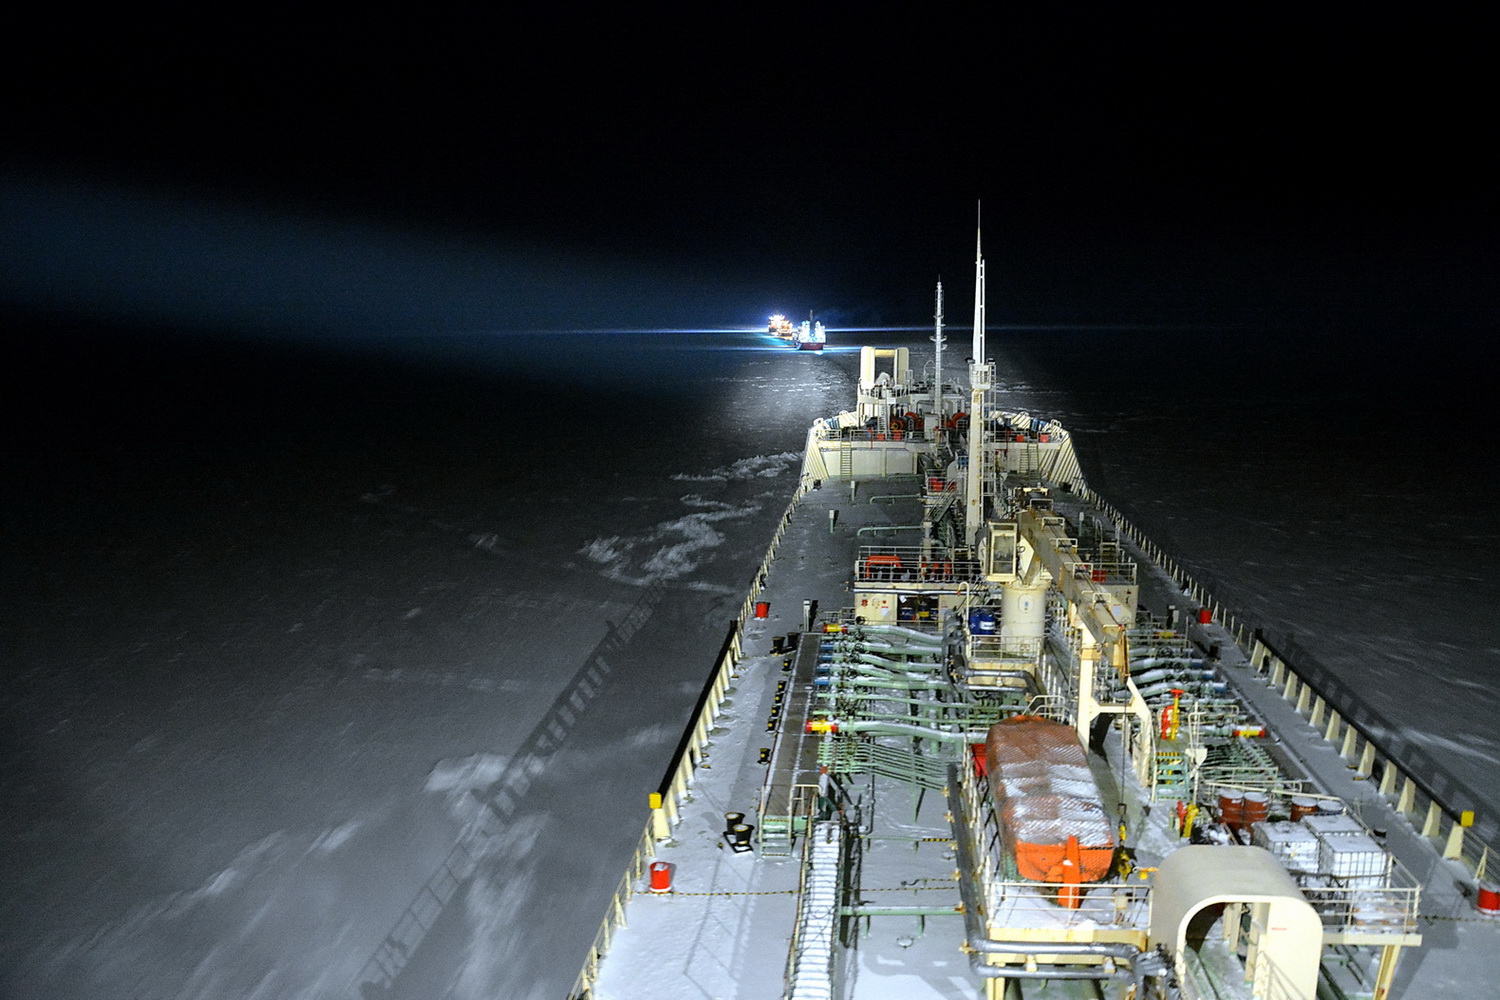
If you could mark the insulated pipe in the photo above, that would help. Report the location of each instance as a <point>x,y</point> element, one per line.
<point>908,729</point>
<point>855,656</point>
<point>908,637</point>
<point>864,646</point>
<point>881,671</point>
<point>890,648</point>
<point>1169,649</point>
<point>986,971</point>
<point>850,657</point>
<point>921,666</point>
<point>825,685</point>
<point>832,719</point>
<point>1155,655</point>
<point>898,683</point>
<point>868,679</point>
<point>1165,661</point>
<point>863,685</point>
<point>1245,729</point>
<point>911,633</point>
<point>864,696</point>
<point>889,651</point>
<point>1152,676</point>
<point>873,667</point>
<point>1153,690</point>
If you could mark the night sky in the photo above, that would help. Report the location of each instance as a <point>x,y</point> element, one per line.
<point>176,191</point>
<point>692,169</point>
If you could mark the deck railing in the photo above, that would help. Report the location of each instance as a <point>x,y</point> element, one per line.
<point>666,800</point>
<point>1438,804</point>
<point>1385,909</point>
<point>909,564</point>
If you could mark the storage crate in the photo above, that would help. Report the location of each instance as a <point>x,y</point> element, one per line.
<point>1292,843</point>
<point>1354,861</point>
<point>1338,825</point>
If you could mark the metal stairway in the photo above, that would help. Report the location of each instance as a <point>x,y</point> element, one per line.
<point>1171,774</point>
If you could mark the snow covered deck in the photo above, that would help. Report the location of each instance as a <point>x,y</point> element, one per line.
<point>727,928</point>
<point>1459,946</point>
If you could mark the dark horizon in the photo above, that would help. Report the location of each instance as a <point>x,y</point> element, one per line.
<point>1131,169</point>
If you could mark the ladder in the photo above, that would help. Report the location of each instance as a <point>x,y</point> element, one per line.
<point>1171,774</point>
<point>778,830</point>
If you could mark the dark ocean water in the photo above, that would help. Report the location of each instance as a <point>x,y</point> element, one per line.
<point>270,611</point>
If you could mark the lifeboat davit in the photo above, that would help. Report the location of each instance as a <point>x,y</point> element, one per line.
<point>1048,802</point>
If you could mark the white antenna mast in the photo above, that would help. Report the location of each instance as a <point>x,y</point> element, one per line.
<point>978,297</point>
<point>979,385</point>
<point>938,339</point>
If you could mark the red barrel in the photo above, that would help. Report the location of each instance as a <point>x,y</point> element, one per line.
<point>762,608</point>
<point>661,876</point>
<point>1205,616</point>
<point>1303,806</point>
<point>1256,808</point>
<point>1231,808</point>
<point>1488,898</point>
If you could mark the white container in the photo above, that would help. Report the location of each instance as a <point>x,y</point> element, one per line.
<point>1292,843</point>
<point>1336,825</point>
<point>1348,858</point>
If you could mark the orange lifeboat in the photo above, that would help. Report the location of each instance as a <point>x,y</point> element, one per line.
<point>1049,803</point>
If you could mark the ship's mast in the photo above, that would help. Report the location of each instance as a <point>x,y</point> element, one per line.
<point>978,299</point>
<point>979,385</point>
<point>938,339</point>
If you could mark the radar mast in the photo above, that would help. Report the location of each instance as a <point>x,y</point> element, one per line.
<point>937,371</point>
<point>979,385</point>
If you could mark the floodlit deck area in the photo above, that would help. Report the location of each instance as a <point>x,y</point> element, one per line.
<point>729,927</point>
<point>726,929</point>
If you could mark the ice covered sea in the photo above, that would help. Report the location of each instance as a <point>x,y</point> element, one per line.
<point>274,620</point>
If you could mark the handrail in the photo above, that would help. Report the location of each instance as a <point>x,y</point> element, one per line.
<point>726,650</point>
<point>663,802</point>
<point>1472,830</point>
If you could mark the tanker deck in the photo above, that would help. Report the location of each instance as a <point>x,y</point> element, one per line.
<point>827,828</point>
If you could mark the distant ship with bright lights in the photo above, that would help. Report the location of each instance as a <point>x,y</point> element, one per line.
<point>809,335</point>
<point>973,734</point>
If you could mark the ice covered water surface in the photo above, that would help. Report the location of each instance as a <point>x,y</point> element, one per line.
<point>265,641</point>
